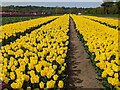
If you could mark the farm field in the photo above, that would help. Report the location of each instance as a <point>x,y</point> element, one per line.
<point>16,30</point>
<point>108,22</point>
<point>60,52</point>
<point>7,20</point>
<point>114,16</point>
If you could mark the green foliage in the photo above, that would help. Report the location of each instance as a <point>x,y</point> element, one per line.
<point>7,20</point>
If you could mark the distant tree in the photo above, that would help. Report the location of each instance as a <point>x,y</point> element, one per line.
<point>118,5</point>
<point>107,4</point>
<point>106,8</point>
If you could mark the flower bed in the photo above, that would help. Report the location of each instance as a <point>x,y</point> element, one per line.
<point>10,32</point>
<point>101,44</point>
<point>37,60</point>
<point>106,21</point>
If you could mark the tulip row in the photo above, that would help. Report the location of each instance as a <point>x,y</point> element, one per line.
<point>101,43</point>
<point>107,21</point>
<point>37,60</point>
<point>9,30</point>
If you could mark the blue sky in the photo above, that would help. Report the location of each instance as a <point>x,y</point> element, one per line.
<point>93,3</point>
<point>56,0</point>
<point>51,0</point>
<point>54,4</point>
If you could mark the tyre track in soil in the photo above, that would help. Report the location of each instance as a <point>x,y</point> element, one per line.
<point>81,72</point>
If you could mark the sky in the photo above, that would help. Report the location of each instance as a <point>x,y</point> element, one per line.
<point>51,0</point>
<point>54,4</point>
<point>93,3</point>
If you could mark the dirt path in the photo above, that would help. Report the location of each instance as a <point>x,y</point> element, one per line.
<point>82,73</point>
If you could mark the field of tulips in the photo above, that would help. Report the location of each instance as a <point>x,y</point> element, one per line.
<point>106,21</point>
<point>39,59</point>
<point>101,43</point>
<point>14,30</point>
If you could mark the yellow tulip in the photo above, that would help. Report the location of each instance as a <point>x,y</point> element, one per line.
<point>41,84</point>
<point>60,84</point>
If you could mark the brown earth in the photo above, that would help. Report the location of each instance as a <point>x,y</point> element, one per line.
<point>81,72</point>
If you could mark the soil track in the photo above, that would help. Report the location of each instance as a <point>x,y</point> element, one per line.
<point>81,73</point>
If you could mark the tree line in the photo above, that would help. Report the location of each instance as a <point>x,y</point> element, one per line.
<point>105,8</point>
